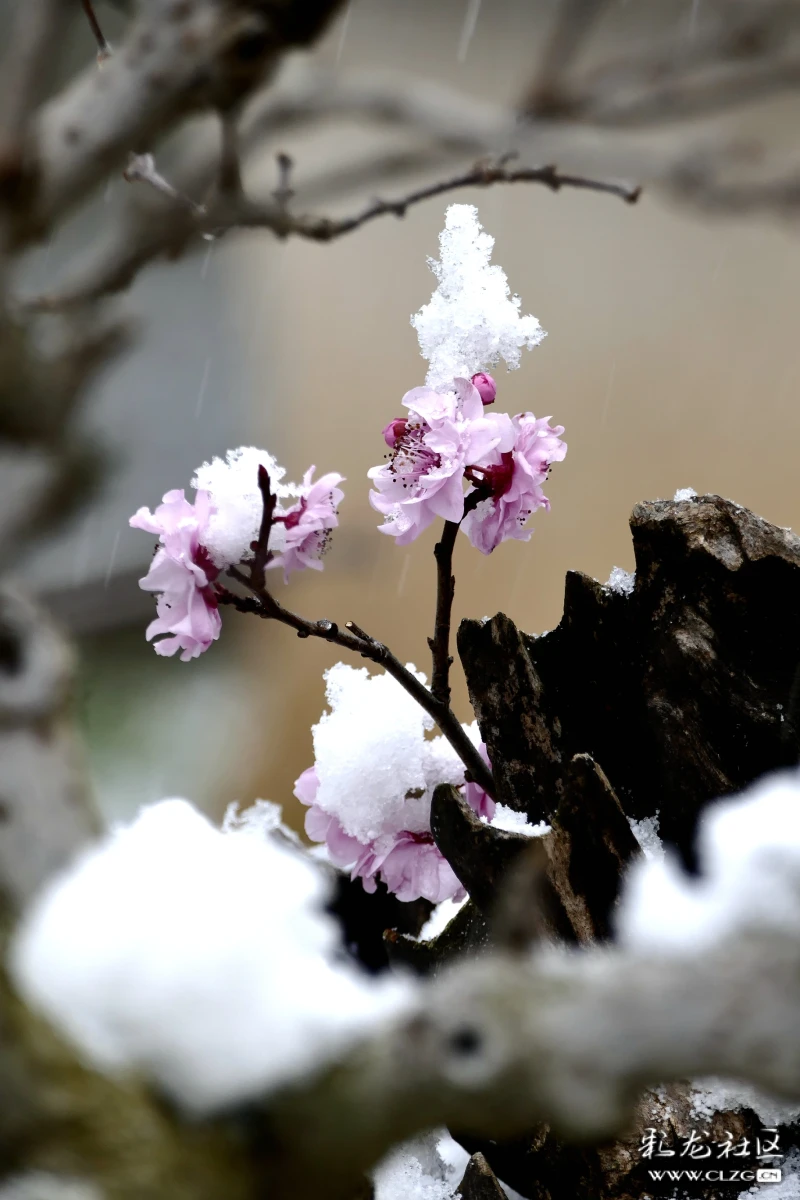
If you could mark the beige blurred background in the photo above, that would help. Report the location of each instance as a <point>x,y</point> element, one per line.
<point>672,359</point>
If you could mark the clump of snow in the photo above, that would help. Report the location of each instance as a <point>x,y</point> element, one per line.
<point>749,855</point>
<point>201,959</point>
<point>471,321</point>
<point>232,483</point>
<point>620,581</point>
<point>712,1095</point>
<point>440,918</point>
<point>511,821</point>
<point>646,833</point>
<point>376,769</point>
<point>426,1168</point>
<point>789,1186</point>
<point>414,1171</point>
<point>684,494</point>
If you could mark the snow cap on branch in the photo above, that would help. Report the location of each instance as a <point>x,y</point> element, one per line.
<point>471,320</point>
<point>202,959</point>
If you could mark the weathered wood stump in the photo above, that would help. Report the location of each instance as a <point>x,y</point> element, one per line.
<point>645,703</point>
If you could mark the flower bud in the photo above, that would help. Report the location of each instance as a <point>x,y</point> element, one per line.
<point>486,386</point>
<point>394,431</point>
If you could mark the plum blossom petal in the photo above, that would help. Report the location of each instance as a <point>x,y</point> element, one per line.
<point>182,574</point>
<point>308,523</point>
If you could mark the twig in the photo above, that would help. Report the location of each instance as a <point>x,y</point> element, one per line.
<point>113,267</point>
<point>325,229</point>
<point>445,590</point>
<point>141,168</point>
<point>103,46</point>
<point>261,547</point>
<point>356,640</point>
<point>352,637</point>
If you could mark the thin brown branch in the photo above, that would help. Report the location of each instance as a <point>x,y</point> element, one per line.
<point>103,46</point>
<point>263,604</point>
<point>172,229</point>
<point>357,641</point>
<point>445,590</point>
<point>223,216</point>
<point>261,546</point>
<point>326,229</point>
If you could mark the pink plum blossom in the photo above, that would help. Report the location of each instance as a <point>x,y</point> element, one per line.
<point>411,865</point>
<point>445,433</point>
<point>182,574</point>
<point>308,523</point>
<point>511,479</point>
<point>408,861</point>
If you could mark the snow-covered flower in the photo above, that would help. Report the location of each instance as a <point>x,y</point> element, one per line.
<point>512,482</point>
<point>204,960</point>
<point>198,541</point>
<point>472,320</point>
<point>308,523</point>
<point>369,792</point>
<point>182,574</point>
<point>445,433</point>
<point>470,323</point>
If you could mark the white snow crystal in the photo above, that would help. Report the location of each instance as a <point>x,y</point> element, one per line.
<point>749,854</point>
<point>620,581</point>
<point>684,494</point>
<point>511,821</point>
<point>712,1095</point>
<point>233,485</point>
<point>201,959</point>
<point>471,321</point>
<point>646,834</point>
<point>376,769</point>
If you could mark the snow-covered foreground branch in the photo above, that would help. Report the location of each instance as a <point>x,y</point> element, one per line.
<point>570,1039</point>
<point>203,961</point>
